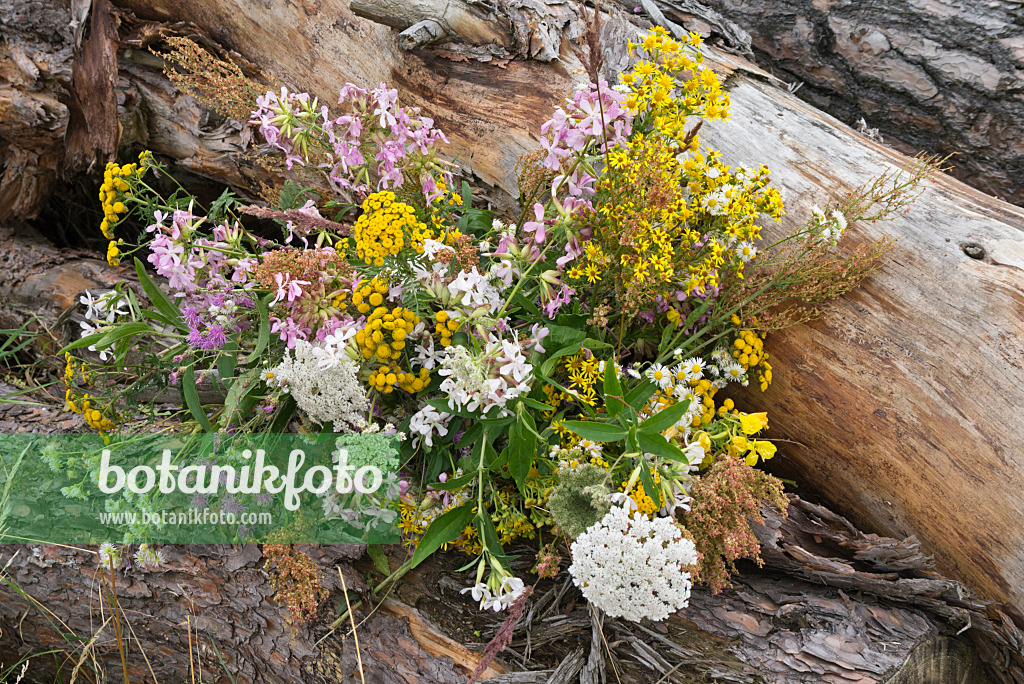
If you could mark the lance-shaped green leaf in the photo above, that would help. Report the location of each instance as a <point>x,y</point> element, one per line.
<point>188,389</point>
<point>446,528</point>
<point>158,297</point>
<point>613,399</point>
<point>522,447</point>
<point>659,446</point>
<point>594,431</point>
<point>638,396</point>
<point>665,418</point>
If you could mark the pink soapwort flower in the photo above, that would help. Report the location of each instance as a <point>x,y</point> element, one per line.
<point>287,288</point>
<point>572,252</point>
<point>553,160</point>
<point>538,224</point>
<point>538,333</point>
<point>385,100</point>
<point>158,221</point>
<point>289,330</point>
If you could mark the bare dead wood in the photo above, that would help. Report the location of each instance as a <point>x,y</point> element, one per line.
<point>92,123</point>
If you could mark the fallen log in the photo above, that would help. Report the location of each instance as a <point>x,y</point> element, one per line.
<point>832,604</point>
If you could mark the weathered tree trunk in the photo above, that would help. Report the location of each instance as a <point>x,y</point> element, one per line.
<point>939,76</point>
<point>849,607</point>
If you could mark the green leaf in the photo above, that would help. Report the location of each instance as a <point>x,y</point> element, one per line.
<point>240,387</point>
<point>638,396</point>
<point>227,360</point>
<point>612,390</point>
<point>531,308</point>
<point>284,415</point>
<point>454,482</point>
<point>549,365</point>
<point>665,418</point>
<point>522,447</point>
<point>594,431</point>
<point>380,561</point>
<point>87,341</point>
<point>649,487</point>
<point>489,537</point>
<point>697,312</point>
<point>470,436</point>
<point>534,404</point>
<point>158,297</point>
<point>188,389</point>
<point>666,336</point>
<point>122,330</point>
<point>446,528</point>
<point>659,446</point>
<point>263,337</point>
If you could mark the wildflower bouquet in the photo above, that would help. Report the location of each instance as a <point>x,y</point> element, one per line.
<point>553,376</point>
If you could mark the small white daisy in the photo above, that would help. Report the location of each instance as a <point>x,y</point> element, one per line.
<point>746,251</point>
<point>659,375</point>
<point>694,368</point>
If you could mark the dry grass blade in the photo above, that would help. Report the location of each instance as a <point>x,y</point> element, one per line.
<point>355,634</point>
<point>87,651</point>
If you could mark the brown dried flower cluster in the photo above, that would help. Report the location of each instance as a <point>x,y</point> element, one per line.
<point>215,83</point>
<point>296,580</point>
<point>307,265</point>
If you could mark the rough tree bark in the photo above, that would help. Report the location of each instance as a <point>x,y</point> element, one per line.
<point>935,75</point>
<point>847,607</point>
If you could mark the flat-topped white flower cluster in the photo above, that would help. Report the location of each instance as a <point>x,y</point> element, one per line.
<point>633,567</point>
<point>333,394</point>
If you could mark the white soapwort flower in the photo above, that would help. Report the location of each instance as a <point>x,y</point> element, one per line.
<point>426,423</point>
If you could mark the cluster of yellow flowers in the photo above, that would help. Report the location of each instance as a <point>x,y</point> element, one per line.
<point>93,417</point>
<point>748,350</point>
<point>584,374</point>
<point>385,228</point>
<point>733,432</point>
<point>383,336</point>
<point>510,521</point>
<point>112,193</point>
<point>644,503</point>
<point>385,378</point>
<point>591,265</point>
<point>369,295</point>
<point>672,84</point>
<point>446,327</point>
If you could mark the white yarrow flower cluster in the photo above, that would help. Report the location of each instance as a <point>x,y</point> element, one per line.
<point>333,394</point>
<point>633,567</point>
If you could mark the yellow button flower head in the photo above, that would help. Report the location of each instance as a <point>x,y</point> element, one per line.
<point>385,228</point>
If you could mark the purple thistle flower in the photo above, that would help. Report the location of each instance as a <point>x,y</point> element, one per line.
<point>231,506</point>
<point>191,316</point>
<point>211,339</point>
